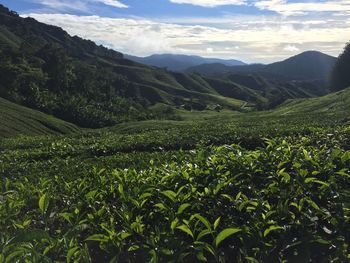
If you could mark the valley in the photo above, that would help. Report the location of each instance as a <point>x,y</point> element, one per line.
<point>106,157</point>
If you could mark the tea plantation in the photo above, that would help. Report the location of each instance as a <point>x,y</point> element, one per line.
<point>232,188</point>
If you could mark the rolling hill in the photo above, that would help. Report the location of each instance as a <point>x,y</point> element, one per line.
<point>89,85</point>
<point>16,119</point>
<point>73,79</point>
<point>180,63</point>
<point>309,65</point>
<point>335,102</point>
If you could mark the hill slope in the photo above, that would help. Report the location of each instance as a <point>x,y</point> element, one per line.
<point>335,102</point>
<point>180,63</point>
<point>89,85</point>
<point>16,119</point>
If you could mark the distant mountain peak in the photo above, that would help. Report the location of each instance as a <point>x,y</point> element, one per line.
<point>308,65</point>
<point>309,54</point>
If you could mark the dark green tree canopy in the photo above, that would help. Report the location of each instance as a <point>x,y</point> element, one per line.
<point>341,71</point>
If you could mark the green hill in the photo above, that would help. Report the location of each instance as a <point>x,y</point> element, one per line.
<point>73,79</point>
<point>334,102</point>
<point>16,120</point>
<point>91,86</point>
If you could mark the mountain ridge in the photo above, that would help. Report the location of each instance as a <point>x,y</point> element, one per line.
<point>180,63</point>
<point>308,65</point>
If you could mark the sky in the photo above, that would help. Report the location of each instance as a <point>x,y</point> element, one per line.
<point>249,30</point>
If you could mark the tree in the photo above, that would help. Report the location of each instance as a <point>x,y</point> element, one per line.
<point>340,78</point>
<point>58,66</point>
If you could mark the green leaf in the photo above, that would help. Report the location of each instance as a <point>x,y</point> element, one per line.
<point>286,176</point>
<point>309,179</point>
<point>121,190</point>
<point>322,241</point>
<point>314,180</point>
<point>313,204</point>
<point>170,194</point>
<point>167,252</point>
<point>124,235</point>
<point>70,253</point>
<point>174,223</point>
<point>203,220</point>
<point>343,173</point>
<point>185,229</point>
<point>183,207</point>
<point>98,237</point>
<point>217,222</point>
<point>67,216</point>
<point>271,228</point>
<point>160,206</point>
<point>209,248</point>
<point>133,248</point>
<point>251,260</point>
<point>225,234</point>
<point>44,203</point>
<point>201,257</point>
<point>345,157</point>
<point>306,155</point>
<point>203,233</point>
<point>91,194</point>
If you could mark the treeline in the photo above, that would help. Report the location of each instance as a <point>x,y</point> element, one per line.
<point>49,80</point>
<point>341,71</point>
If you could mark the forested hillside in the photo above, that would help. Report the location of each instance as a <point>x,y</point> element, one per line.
<point>73,79</point>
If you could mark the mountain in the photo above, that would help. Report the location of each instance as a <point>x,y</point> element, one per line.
<point>180,63</point>
<point>309,65</point>
<point>16,119</point>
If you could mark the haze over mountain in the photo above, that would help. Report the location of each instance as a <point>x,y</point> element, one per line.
<point>181,63</point>
<point>309,65</point>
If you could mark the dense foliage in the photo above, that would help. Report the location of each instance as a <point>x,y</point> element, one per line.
<point>134,193</point>
<point>48,79</point>
<point>341,71</point>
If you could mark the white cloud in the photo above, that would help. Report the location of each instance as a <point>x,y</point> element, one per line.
<point>78,5</point>
<point>285,7</point>
<point>291,48</point>
<point>114,3</point>
<point>260,39</point>
<point>210,3</point>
